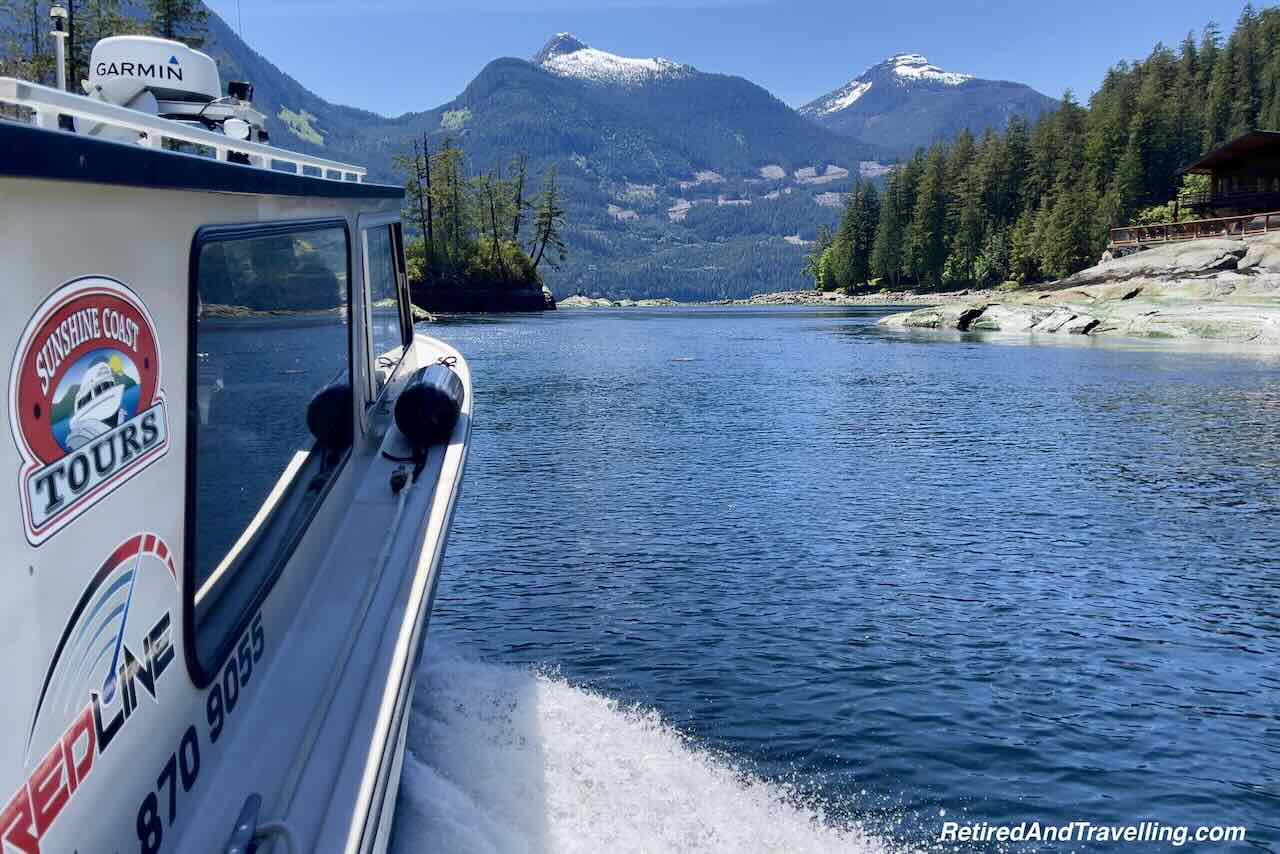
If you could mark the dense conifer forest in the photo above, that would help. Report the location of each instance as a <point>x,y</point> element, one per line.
<point>1035,202</point>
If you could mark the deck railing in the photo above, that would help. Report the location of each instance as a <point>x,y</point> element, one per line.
<point>47,104</point>
<point>1242,225</point>
<point>1257,199</point>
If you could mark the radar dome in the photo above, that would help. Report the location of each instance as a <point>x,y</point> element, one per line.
<point>122,68</point>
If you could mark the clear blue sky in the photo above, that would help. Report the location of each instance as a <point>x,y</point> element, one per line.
<point>393,56</point>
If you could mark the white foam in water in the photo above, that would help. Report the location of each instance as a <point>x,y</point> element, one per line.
<point>502,759</point>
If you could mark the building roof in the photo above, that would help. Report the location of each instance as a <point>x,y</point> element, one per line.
<point>1255,143</point>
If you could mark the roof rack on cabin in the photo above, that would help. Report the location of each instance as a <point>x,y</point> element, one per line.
<point>45,106</point>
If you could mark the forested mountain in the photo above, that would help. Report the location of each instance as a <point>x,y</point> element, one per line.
<point>1036,202</point>
<point>903,103</point>
<point>677,182</point>
<point>683,183</point>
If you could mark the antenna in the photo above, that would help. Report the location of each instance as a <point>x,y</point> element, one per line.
<point>58,15</point>
<point>239,21</point>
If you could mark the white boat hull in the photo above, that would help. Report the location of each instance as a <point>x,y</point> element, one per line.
<point>308,710</point>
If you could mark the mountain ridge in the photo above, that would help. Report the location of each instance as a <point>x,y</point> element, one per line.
<point>679,182</point>
<point>904,102</point>
<point>566,56</point>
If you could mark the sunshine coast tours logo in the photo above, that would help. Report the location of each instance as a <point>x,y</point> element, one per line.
<point>85,403</point>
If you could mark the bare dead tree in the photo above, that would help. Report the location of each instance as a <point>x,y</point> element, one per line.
<point>426,171</point>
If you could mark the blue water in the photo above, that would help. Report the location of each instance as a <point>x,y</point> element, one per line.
<point>891,578</point>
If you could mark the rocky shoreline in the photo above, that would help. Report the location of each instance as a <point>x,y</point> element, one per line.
<point>1219,290</point>
<point>580,301</point>
<point>796,298</point>
<point>1216,290</point>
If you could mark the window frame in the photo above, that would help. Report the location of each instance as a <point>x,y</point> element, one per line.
<point>226,647</point>
<point>365,224</point>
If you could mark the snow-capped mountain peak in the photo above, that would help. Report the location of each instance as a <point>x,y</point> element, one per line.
<point>903,69</point>
<point>913,66</point>
<point>566,56</point>
<point>561,44</point>
<point>843,98</point>
<point>905,102</point>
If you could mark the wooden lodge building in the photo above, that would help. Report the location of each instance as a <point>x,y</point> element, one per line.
<point>1243,196</point>
<point>1244,177</point>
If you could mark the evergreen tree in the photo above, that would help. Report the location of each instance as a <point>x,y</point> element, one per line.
<point>1245,95</point>
<point>449,204</point>
<point>967,234</point>
<point>815,261</point>
<point>1188,104</point>
<point>1024,264</point>
<point>838,262</point>
<point>959,158</point>
<point>417,204</point>
<point>847,261</point>
<point>1270,83</point>
<point>90,21</point>
<point>183,20</point>
<point>867,233</point>
<point>1217,119</point>
<point>25,51</point>
<point>886,252</point>
<point>1013,159</point>
<point>926,246</point>
<point>548,224</point>
<point>1066,244</point>
<point>520,173</point>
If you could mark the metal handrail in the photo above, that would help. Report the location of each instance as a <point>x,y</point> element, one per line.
<point>1241,225</point>
<point>48,104</point>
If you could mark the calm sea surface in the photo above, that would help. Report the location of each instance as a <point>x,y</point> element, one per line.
<point>894,579</point>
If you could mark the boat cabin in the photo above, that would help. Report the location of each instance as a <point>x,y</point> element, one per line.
<point>234,461</point>
<point>1244,177</point>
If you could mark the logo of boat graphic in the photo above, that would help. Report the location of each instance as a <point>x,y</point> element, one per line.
<point>98,406</point>
<point>85,403</point>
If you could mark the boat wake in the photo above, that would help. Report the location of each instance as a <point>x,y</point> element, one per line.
<point>504,759</point>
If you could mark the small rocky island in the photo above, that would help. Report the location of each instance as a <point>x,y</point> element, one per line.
<point>1211,289</point>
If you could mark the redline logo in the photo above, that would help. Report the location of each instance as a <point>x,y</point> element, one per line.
<point>102,683</point>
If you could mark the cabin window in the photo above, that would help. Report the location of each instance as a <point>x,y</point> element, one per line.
<point>270,329</point>
<point>388,320</point>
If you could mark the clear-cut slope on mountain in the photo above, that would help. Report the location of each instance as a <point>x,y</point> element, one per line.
<point>905,102</point>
